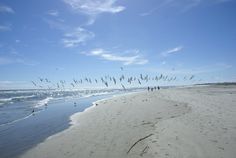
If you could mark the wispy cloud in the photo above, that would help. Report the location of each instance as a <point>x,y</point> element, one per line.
<point>14,57</point>
<point>6,9</point>
<point>92,8</point>
<point>5,61</point>
<point>180,5</point>
<point>6,84</point>
<point>18,60</point>
<point>26,62</point>
<point>191,4</point>
<point>149,12</point>
<point>161,4</point>
<point>57,24</point>
<point>125,59</point>
<point>222,1</point>
<point>4,28</point>
<point>72,36</point>
<point>76,37</point>
<point>53,13</point>
<point>172,51</point>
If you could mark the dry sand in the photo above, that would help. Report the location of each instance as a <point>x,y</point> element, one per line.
<point>197,122</point>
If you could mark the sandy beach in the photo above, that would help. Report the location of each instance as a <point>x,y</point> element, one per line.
<point>194,122</point>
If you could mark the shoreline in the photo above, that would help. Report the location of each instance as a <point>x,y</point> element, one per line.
<point>172,122</point>
<point>74,117</point>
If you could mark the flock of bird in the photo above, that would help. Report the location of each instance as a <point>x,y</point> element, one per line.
<point>107,81</point>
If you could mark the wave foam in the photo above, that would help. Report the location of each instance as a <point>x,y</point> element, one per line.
<point>43,102</point>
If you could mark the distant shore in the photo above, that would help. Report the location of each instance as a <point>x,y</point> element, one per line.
<point>177,122</point>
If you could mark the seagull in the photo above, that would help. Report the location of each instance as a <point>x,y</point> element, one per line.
<point>191,77</point>
<point>58,86</point>
<point>102,80</point>
<point>123,86</point>
<point>47,80</point>
<point>34,83</point>
<point>139,82</point>
<point>106,84</point>
<point>41,79</point>
<point>141,76</point>
<point>114,80</point>
<point>75,81</point>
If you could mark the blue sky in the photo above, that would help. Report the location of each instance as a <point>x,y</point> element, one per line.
<point>66,39</point>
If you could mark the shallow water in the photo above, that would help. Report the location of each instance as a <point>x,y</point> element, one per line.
<point>19,136</point>
<point>16,105</point>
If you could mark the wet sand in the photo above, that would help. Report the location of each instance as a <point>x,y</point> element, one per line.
<point>197,122</point>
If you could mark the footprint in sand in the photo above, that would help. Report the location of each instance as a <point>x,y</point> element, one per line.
<point>158,118</point>
<point>221,148</point>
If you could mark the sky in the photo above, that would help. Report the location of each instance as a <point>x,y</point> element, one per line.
<point>71,39</point>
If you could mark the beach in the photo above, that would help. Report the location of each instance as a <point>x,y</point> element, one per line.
<point>196,122</point>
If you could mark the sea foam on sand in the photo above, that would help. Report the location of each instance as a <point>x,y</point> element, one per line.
<point>198,122</point>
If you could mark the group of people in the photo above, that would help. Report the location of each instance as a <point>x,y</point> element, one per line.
<point>153,88</point>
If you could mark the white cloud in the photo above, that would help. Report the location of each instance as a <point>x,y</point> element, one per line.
<point>172,51</point>
<point>53,12</point>
<point>4,28</point>
<point>77,37</point>
<point>92,8</point>
<point>6,9</point>
<point>126,60</point>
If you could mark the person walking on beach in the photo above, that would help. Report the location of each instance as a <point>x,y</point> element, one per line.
<point>148,88</point>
